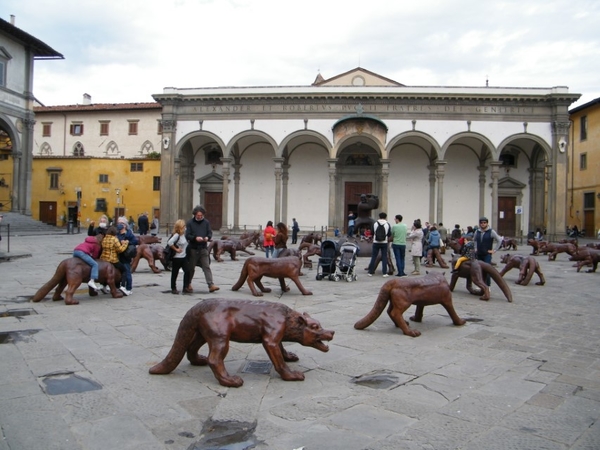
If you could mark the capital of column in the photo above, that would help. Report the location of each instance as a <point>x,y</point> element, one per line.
<point>168,126</point>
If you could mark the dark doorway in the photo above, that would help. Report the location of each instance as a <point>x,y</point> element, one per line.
<point>48,213</point>
<point>352,193</point>
<point>213,203</point>
<point>507,217</point>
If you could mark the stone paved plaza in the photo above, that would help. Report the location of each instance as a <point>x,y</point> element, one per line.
<point>521,375</point>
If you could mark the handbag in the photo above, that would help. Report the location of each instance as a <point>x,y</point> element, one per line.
<point>153,226</point>
<point>129,252</point>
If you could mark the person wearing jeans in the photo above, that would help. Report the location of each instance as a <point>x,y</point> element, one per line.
<point>399,231</point>
<point>88,251</point>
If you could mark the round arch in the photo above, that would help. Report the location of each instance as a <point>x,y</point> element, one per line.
<point>356,137</point>
<point>531,137</point>
<point>470,136</point>
<point>412,136</point>
<point>200,134</point>
<point>303,134</point>
<point>250,134</point>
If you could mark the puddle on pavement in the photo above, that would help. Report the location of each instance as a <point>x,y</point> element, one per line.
<point>12,337</point>
<point>258,367</point>
<point>226,435</point>
<point>377,380</point>
<point>18,312</point>
<point>68,384</point>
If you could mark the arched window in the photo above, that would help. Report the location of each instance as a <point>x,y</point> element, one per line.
<point>112,149</point>
<point>45,149</point>
<point>78,149</point>
<point>147,147</point>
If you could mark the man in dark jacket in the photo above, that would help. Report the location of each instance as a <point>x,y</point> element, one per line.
<point>484,244</point>
<point>198,233</point>
<point>143,224</point>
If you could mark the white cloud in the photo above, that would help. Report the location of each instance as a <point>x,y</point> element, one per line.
<point>120,51</point>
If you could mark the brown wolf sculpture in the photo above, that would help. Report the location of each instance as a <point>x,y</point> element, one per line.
<point>257,267</point>
<point>71,272</point>
<point>151,253</point>
<point>402,293</point>
<point>473,272</point>
<point>527,266</point>
<point>216,322</point>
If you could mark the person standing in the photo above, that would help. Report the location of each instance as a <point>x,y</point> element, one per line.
<point>268,241</point>
<point>124,234</point>
<point>154,226</point>
<point>102,226</point>
<point>351,219</point>
<point>382,230</point>
<point>484,244</point>
<point>178,244</point>
<point>456,233</point>
<point>295,229</point>
<point>280,239</point>
<point>416,245</point>
<point>399,231</point>
<point>143,223</point>
<point>443,233</point>
<point>198,233</point>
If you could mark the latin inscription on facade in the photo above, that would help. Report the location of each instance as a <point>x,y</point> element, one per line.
<point>368,109</point>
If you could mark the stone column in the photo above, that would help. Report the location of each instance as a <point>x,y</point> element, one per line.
<point>558,176</point>
<point>284,193</point>
<point>432,176</point>
<point>441,172</point>
<point>495,176</point>
<point>225,211</point>
<point>482,179</point>
<point>278,174</point>
<point>236,195</point>
<point>170,205</point>
<point>385,176</point>
<point>332,193</point>
<point>18,182</point>
<point>26,165</point>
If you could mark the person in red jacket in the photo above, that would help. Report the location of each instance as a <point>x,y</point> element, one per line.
<point>269,240</point>
<point>88,251</point>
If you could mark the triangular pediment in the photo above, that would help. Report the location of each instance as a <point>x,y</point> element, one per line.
<point>510,183</point>
<point>211,178</point>
<point>356,77</point>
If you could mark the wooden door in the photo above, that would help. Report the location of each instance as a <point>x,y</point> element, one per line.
<point>352,193</point>
<point>507,217</point>
<point>213,203</point>
<point>48,213</point>
<point>588,223</point>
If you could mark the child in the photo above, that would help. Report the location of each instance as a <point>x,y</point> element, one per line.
<point>467,252</point>
<point>88,251</point>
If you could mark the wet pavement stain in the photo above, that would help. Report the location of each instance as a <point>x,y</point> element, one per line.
<point>226,435</point>
<point>12,337</point>
<point>18,312</point>
<point>258,367</point>
<point>68,384</point>
<point>377,380</point>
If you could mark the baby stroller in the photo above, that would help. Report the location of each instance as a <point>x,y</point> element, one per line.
<point>345,268</point>
<point>329,254</point>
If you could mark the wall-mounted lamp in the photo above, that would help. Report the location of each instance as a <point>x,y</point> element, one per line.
<point>562,145</point>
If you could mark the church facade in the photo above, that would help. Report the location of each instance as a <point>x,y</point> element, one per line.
<point>441,154</point>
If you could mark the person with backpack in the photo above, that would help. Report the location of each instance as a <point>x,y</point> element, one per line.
<point>178,244</point>
<point>382,230</point>
<point>484,244</point>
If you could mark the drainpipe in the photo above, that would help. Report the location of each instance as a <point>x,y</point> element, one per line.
<point>572,166</point>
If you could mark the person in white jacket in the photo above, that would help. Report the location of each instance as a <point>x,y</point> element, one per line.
<point>415,237</point>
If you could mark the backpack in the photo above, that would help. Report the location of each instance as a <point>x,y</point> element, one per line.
<point>169,252</point>
<point>380,232</point>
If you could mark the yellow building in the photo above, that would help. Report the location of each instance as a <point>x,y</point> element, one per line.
<point>584,179</point>
<point>83,188</point>
<point>92,159</point>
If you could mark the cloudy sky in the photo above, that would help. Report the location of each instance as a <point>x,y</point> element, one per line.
<point>127,50</point>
